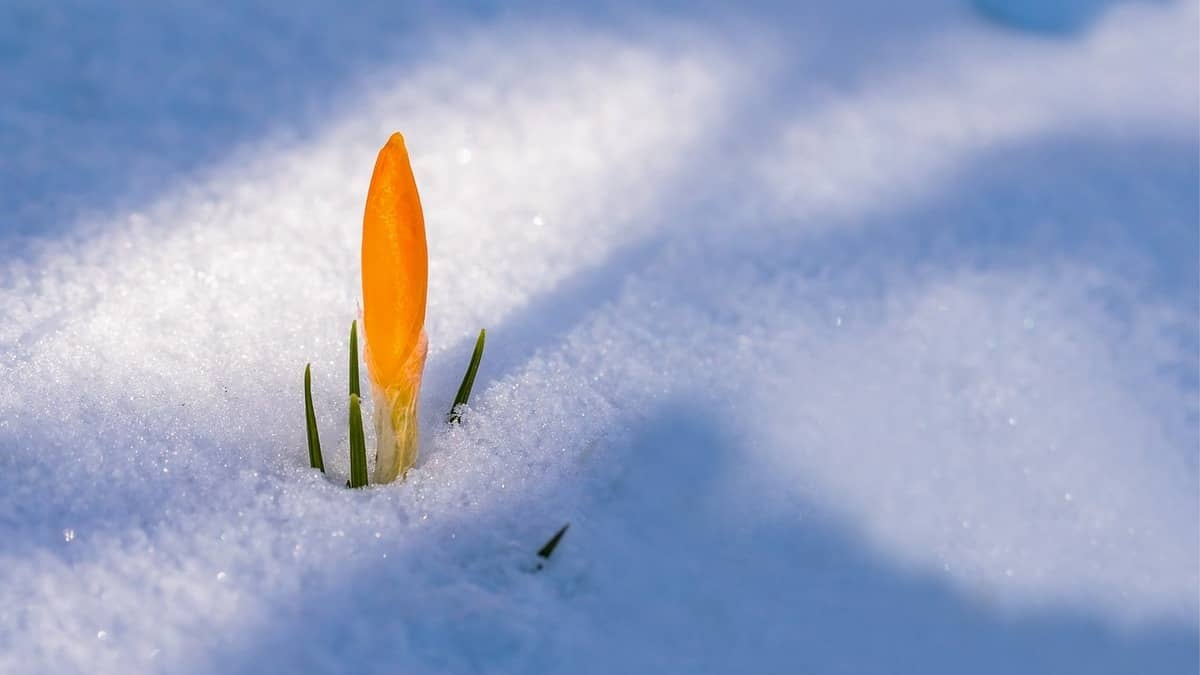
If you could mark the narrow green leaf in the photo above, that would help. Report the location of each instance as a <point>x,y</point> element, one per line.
<point>548,548</point>
<point>354,389</point>
<point>358,445</point>
<point>464,389</point>
<point>310,419</point>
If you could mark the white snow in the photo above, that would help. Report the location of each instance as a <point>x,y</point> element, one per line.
<point>853,338</point>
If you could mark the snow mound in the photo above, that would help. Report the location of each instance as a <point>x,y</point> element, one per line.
<point>835,360</point>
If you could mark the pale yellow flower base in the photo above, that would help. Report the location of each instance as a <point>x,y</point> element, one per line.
<point>396,430</point>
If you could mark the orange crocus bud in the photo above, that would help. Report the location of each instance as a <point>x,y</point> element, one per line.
<point>395,278</point>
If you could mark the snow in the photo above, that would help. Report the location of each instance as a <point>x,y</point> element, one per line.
<point>850,338</point>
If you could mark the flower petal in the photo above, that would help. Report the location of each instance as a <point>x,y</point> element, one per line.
<point>395,268</point>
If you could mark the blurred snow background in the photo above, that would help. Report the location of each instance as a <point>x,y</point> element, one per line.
<point>851,338</point>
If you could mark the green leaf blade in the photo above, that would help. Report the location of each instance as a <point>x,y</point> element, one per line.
<point>468,381</point>
<point>548,548</point>
<point>358,445</point>
<point>354,386</point>
<point>310,420</point>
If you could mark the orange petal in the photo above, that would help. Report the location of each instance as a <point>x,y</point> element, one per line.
<point>395,269</point>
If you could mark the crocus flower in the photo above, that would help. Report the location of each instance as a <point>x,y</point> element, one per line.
<point>395,273</point>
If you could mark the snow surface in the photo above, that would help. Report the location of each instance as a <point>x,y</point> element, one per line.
<point>853,338</point>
